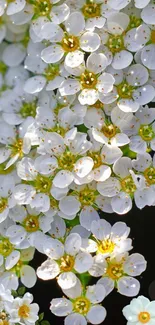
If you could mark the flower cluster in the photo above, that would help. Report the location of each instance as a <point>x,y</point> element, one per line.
<point>17,310</point>
<point>77,135</point>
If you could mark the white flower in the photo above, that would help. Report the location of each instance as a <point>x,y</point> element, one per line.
<point>70,42</point>
<point>131,89</point>
<point>83,307</point>
<point>21,271</point>
<point>143,137</point>
<point>111,240</point>
<point>11,8</point>
<point>5,295</point>
<point>23,310</point>
<point>63,260</point>
<point>119,272</point>
<point>30,224</point>
<point>113,38</point>
<point>7,201</point>
<point>90,79</point>
<point>14,142</point>
<point>140,311</point>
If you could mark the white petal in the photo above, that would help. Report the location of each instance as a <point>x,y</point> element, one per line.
<point>105,82</point>
<point>96,314</point>
<point>34,84</point>
<point>121,203</point>
<point>128,286</point>
<point>122,167</point>
<point>75,319</point>
<point>12,260</point>
<point>117,23</point>
<point>110,187</point>
<point>95,293</point>
<point>67,280</point>
<point>13,54</point>
<point>53,248</point>
<point>52,53</point>
<point>75,23</point>
<point>63,179</point>
<point>15,6</point>
<point>135,264</point>
<point>144,94</point>
<point>88,96</point>
<point>101,229</point>
<point>28,276</point>
<point>73,244</point>
<point>83,262</point>
<point>137,75</point>
<point>75,291</point>
<point>83,166</point>
<point>122,60</point>
<point>148,14</point>
<point>48,270</point>
<point>74,59</point>
<point>137,144</point>
<point>110,154</point>
<point>107,283</point>
<point>69,205</point>
<point>89,42</point>
<point>24,193</point>
<point>61,306</point>
<point>87,215</point>
<point>96,63</point>
<point>69,87</point>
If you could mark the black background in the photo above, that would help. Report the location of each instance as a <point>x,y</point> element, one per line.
<point>142,224</point>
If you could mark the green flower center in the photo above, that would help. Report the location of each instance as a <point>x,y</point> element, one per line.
<point>41,7</point>
<point>66,263</point>
<point>58,129</point>
<point>31,223</point>
<point>28,109</point>
<point>51,71</point>
<point>153,36</point>
<point>91,10</point>
<point>106,246</point>
<point>6,247</point>
<point>109,130</point>
<point>42,184</point>
<point>115,271</point>
<point>134,22</point>
<point>54,204</point>
<point>128,185</point>
<point>16,148</point>
<point>146,132</point>
<point>125,90</point>
<point>144,317</point>
<point>3,204</point>
<point>98,104</point>
<point>115,43</point>
<point>87,196</point>
<point>81,305</point>
<point>70,43</point>
<point>7,171</point>
<point>67,160</point>
<point>149,174</point>
<point>96,159</point>
<point>3,68</point>
<point>16,269</point>
<point>88,80</point>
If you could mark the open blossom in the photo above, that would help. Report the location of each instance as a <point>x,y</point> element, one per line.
<point>131,89</point>
<point>119,272</point>
<point>81,307</point>
<point>24,311</point>
<point>90,79</point>
<point>63,260</point>
<point>71,42</point>
<point>140,311</point>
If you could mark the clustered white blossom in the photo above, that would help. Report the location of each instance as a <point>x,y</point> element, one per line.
<point>77,135</point>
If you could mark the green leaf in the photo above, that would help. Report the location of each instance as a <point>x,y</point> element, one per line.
<point>84,278</point>
<point>41,316</point>
<point>14,293</point>
<point>82,128</point>
<point>45,322</point>
<point>21,291</point>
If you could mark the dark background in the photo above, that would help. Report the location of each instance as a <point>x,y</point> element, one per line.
<point>142,224</point>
